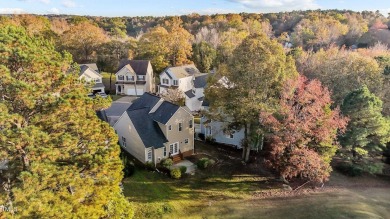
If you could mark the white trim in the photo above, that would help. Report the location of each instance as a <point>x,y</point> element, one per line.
<point>172,152</point>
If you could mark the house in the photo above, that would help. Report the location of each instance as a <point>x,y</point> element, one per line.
<point>152,129</point>
<point>134,77</point>
<point>218,130</point>
<point>90,74</point>
<point>188,80</point>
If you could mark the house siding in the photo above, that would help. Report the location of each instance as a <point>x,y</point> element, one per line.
<point>218,134</point>
<point>181,116</point>
<point>134,144</point>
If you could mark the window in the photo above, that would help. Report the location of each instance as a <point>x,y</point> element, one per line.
<point>229,134</point>
<point>165,81</point>
<point>121,77</point>
<point>165,151</point>
<point>190,124</point>
<point>149,154</point>
<point>170,127</point>
<point>129,78</point>
<point>180,126</point>
<point>174,148</point>
<point>123,141</point>
<point>175,82</point>
<point>186,140</point>
<point>141,77</point>
<point>97,80</point>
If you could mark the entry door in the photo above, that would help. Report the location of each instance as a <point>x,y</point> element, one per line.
<point>174,148</point>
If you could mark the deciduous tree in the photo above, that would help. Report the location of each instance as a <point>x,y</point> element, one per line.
<point>82,40</point>
<point>254,78</point>
<point>303,131</point>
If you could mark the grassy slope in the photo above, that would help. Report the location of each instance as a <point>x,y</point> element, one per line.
<point>228,192</point>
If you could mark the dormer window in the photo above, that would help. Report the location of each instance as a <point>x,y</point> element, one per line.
<point>141,77</point>
<point>165,81</point>
<point>175,82</point>
<point>121,77</point>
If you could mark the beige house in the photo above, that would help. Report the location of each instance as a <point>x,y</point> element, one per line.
<point>152,129</point>
<point>134,77</point>
<point>90,74</point>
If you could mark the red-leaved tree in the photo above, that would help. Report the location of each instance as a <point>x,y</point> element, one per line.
<point>303,131</point>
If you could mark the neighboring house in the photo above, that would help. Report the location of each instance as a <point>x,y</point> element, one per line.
<point>218,131</point>
<point>188,80</point>
<point>152,129</point>
<point>90,74</point>
<point>134,77</point>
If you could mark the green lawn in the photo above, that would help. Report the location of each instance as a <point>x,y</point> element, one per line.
<point>227,191</point>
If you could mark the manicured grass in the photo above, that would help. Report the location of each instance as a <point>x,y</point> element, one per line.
<point>230,190</point>
<point>155,195</point>
<point>115,97</point>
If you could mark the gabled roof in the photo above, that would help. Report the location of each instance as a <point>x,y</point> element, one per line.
<point>147,128</point>
<point>140,67</point>
<point>85,67</point>
<point>147,100</point>
<point>201,80</point>
<point>183,71</point>
<point>92,66</point>
<point>189,94</point>
<point>165,112</point>
<point>145,122</point>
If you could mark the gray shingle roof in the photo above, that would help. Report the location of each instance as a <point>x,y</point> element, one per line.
<point>139,66</point>
<point>200,81</point>
<point>183,71</point>
<point>147,128</point>
<point>189,94</point>
<point>92,66</point>
<point>146,100</point>
<point>165,112</point>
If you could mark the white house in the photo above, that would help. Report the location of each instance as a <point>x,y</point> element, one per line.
<point>188,80</point>
<point>134,77</point>
<point>90,74</point>
<point>218,130</point>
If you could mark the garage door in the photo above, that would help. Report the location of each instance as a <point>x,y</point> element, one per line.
<point>132,92</point>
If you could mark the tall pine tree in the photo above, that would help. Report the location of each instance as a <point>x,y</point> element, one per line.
<point>368,130</point>
<point>63,161</point>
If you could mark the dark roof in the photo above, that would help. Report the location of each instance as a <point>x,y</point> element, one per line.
<point>147,100</point>
<point>165,112</point>
<point>139,66</point>
<point>92,66</point>
<point>205,103</point>
<point>189,94</point>
<point>117,109</point>
<point>83,68</point>
<point>147,128</point>
<point>101,114</point>
<point>166,72</point>
<point>200,81</point>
